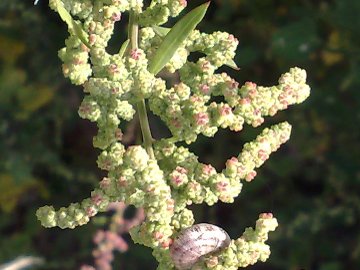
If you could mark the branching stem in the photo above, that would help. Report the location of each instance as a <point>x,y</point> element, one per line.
<point>133,32</point>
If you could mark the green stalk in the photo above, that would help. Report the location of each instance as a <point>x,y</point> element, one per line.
<point>133,32</point>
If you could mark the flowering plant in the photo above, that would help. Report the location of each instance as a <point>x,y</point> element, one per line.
<point>161,176</point>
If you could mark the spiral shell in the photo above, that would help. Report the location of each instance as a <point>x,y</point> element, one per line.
<point>196,242</point>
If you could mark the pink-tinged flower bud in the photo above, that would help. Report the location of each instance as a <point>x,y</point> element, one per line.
<point>245,101</point>
<point>202,119</point>
<point>284,138</point>
<point>91,211</point>
<point>99,237</point>
<point>222,186</point>
<point>135,54</point>
<point>205,65</point>
<point>116,17</point>
<point>212,261</point>
<point>176,180</point>
<point>122,182</point>
<point>103,264</point>
<point>231,166</point>
<point>170,205</point>
<point>150,189</point>
<point>178,176</point>
<point>115,241</point>
<point>195,99</point>
<point>105,164</point>
<point>232,84</point>
<point>252,93</point>
<point>272,110</point>
<point>113,68</point>
<point>183,3</point>
<point>250,176</point>
<point>181,170</point>
<point>120,244</point>
<point>78,61</point>
<point>263,155</point>
<point>105,183</point>
<point>115,90</point>
<point>96,199</point>
<point>166,243</point>
<point>232,162</point>
<point>208,169</point>
<point>266,215</point>
<point>84,48</point>
<point>205,89</point>
<point>85,109</point>
<point>92,27</point>
<point>92,39</point>
<point>118,134</point>
<point>108,23</point>
<point>257,122</point>
<point>158,235</point>
<point>250,85</point>
<point>176,123</point>
<point>225,110</point>
<point>65,70</point>
<point>232,38</point>
<point>194,186</point>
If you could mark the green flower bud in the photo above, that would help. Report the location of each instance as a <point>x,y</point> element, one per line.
<point>136,158</point>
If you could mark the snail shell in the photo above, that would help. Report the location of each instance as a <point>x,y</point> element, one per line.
<point>196,242</point>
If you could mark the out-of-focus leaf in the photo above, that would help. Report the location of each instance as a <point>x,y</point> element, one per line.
<point>330,56</point>
<point>331,266</point>
<point>296,41</point>
<point>346,15</point>
<point>10,198</point>
<point>10,49</point>
<point>176,37</point>
<point>33,98</point>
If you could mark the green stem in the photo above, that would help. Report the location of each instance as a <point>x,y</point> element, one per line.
<point>145,128</point>
<point>141,107</point>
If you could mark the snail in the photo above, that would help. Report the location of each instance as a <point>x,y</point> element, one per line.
<point>195,242</point>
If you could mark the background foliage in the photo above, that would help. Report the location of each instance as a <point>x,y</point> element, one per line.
<point>311,184</point>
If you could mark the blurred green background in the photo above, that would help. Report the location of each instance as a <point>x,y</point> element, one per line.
<point>311,184</point>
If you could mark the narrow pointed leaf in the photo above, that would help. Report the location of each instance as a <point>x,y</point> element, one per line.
<point>231,63</point>
<point>176,37</point>
<point>72,24</point>
<point>161,31</point>
<point>124,47</point>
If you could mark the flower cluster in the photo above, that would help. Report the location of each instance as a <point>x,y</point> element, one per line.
<point>109,240</point>
<point>162,177</point>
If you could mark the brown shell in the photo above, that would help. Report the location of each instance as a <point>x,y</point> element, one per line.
<point>196,242</point>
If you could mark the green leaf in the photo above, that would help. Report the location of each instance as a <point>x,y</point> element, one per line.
<point>124,47</point>
<point>161,31</point>
<point>72,24</point>
<point>231,63</point>
<point>176,37</point>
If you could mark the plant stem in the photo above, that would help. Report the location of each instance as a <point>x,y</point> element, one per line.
<point>141,107</point>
